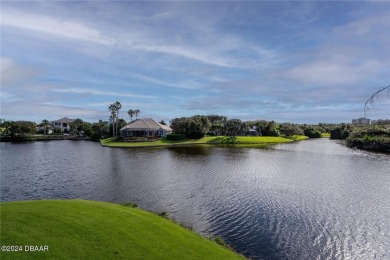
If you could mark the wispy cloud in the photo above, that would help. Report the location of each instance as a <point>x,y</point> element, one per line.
<point>100,93</point>
<point>12,73</point>
<point>185,85</point>
<point>332,72</point>
<point>142,38</point>
<point>51,25</point>
<point>357,52</point>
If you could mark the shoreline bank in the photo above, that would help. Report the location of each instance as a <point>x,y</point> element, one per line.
<point>92,229</point>
<point>252,141</point>
<point>33,138</point>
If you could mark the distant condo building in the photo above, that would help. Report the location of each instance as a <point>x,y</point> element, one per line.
<point>361,121</point>
<point>380,121</point>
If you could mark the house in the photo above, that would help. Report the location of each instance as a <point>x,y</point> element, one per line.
<point>145,127</point>
<point>45,129</point>
<point>252,132</point>
<point>361,121</point>
<point>63,124</point>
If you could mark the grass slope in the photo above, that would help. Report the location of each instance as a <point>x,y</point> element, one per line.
<point>78,229</point>
<point>224,140</point>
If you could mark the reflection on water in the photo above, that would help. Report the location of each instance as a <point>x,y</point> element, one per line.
<point>191,150</point>
<point>315,199</point>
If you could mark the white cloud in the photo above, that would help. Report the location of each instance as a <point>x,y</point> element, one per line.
<point>371,26</point>
<point>188,84</point>
<point>210,46</point>
<point>13,73</point>
<point>97,92</point>
<point>355,52</point>
<point>333,72</point>
<point>51,25</point>
<point>38,111</point>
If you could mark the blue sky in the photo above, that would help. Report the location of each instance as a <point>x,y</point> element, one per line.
<point>288,61</point>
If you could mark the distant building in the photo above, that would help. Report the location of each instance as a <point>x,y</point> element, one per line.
<point>45,129</point>
<point>252,131</point>
<point>361,121</point>
<point>380,121</point>
<point>63,124</point>
<point>145,127</point>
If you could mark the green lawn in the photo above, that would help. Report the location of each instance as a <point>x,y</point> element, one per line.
<point>78,229</point>
<point>216,140</point>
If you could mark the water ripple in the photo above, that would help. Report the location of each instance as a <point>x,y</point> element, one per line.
<point>315,199</point>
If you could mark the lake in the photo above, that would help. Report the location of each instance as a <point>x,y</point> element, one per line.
<point>314,199</point>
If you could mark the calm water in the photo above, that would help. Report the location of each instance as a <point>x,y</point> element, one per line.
<point>315,199</point>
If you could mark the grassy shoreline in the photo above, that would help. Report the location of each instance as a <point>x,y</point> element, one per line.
<point>211,140</point>
<point>33,138</point>
<point>80,229</point>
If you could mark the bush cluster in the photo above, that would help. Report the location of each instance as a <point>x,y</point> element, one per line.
<point>176,137</point>
<point>312,133</point>
<point>339,133</point>
<point>370,138</point>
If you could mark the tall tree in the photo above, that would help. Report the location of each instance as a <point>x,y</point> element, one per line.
<point>131,113</point>
<point>102,127</point>
<point>45,123</point>
<point>77,126</point>
<point>114,108</point>
<point>20,128</point>
<point>137,112</point>
<point>233,126</point>
<point>112,118</point>
<point>7,125</point>
<point>112,122</point>
<point>191,127</point>
<point>118,106</point>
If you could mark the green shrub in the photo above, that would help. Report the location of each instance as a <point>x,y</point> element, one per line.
<point>312,133</point>
<point>129,204</point>
<point>371,138</point>
<point>220,241</point>
<point>120,138</point>
<point>339,133</point>
<point>176,137</point>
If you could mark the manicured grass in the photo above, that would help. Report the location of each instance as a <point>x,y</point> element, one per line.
<point>78,229</point>
<point>216,140</point>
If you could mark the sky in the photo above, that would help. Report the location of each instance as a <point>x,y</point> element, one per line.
<point>288,61</point>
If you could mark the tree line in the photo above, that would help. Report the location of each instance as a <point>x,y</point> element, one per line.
<point>199,125</point>
<point>78,127</point>
<point>190,127</point>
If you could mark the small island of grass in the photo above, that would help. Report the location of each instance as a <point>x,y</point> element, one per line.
<point>213,140</point>
<point>78,229</point>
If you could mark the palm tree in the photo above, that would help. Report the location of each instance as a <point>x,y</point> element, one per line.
<point>137,112</point>
<point>118,106</point>
<point>112,108</point>
<point>371,100</point>
<point>102,127</point>
<point>131,114</point>
<point>44,123</point>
